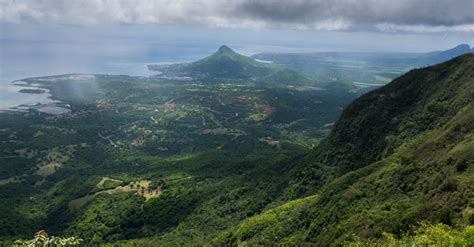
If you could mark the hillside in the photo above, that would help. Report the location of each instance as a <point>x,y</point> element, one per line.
<point>401,154</point>
<point>421,100</point>
<point>227,63</point>
<point>224,63</point>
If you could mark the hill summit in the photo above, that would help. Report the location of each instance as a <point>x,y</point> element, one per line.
<point>225,49</point>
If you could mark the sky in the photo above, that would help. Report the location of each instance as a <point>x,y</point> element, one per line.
<point>350,24</point>
<point>376,15</point>
<point>73,35</point>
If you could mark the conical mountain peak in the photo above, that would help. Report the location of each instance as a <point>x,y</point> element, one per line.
<point>227,63</point>
<point>224,49</point>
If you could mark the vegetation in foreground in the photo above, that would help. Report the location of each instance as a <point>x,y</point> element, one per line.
<point>425,235</point>
<point>42,238</point>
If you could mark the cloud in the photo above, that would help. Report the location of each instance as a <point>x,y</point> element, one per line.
<point>393,28</point>
<point>379,15</point>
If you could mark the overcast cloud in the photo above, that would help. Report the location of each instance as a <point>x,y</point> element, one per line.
<point>372,15</point>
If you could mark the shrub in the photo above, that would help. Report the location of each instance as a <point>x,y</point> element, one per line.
<point>425,234</point>
<point>46,241</point>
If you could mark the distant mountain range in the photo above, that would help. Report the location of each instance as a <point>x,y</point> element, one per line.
<point>435,57</point>
<point>409,59</point>
<point>359,70</point>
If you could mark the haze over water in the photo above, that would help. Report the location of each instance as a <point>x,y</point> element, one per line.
<point>32,58</point>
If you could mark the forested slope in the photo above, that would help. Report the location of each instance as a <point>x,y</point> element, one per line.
<point>402,154</point>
